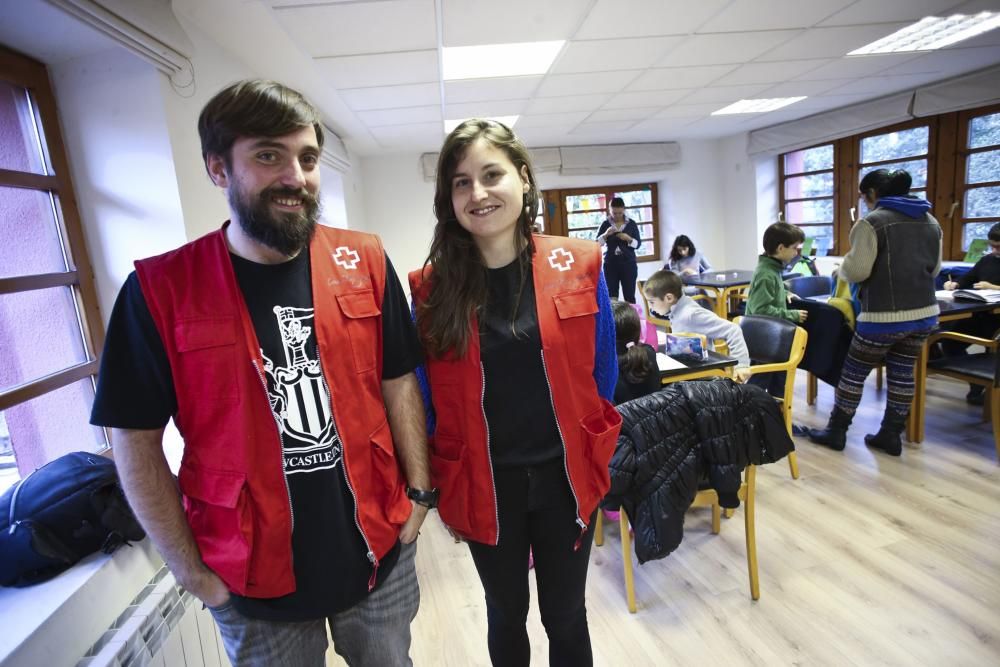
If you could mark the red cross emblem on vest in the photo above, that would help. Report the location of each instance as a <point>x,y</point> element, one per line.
<point>561,259</point>
<point>346,257</point>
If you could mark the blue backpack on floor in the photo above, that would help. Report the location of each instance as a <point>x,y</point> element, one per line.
<point>61,512</point>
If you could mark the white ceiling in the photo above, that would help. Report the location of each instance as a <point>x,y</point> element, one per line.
<point>631,70</point>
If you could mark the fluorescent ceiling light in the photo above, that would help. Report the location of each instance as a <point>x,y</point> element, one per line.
<point>491,60</point>
<point>758,106</point>
<point>509,121</point>
<point>932,32</point>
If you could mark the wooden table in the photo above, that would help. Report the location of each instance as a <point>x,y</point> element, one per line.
<point>717,365</point>
<point>951,310</point>
<point>725,285</point>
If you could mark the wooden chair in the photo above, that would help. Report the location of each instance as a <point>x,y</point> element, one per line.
<point>779,344</point>
<point>704,498</point>
<point>981,369</point>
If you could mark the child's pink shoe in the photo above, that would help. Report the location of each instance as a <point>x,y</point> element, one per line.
<point>611,515</point>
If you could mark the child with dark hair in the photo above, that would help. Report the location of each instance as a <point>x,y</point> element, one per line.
<point>637,371</point>
<point>685,260</point>
<point>984,275</point>
<point>768,295</point>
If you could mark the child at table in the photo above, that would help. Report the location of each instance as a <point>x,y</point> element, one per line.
<point>638,374</point>
<point>767,295</point>
<point>665,293</point>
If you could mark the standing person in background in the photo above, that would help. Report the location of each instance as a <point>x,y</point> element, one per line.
<point>296,454</point>
<point>621,236</point>
<point>685,260</point>
<point>894,257</point>
<point>984,275</point>
<point>521,365</point>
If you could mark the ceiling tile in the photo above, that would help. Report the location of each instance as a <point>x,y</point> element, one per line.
<point>722,49</point>
<point>646,98</point>
<point>948,62</point>
<point>389,97</point>
<point>602,127</point>
<point>882,85</point>
<point>855,67</point>
<point>879,11</point>
<point>567,119</point>
<point>583,84</point>
<point>643,18</point>
<point>630,113</point>
<point>419,136</point>
<point>383,69</point>
<point>672,78</point>
<point>744,15</point>
<point>406,116</point>
<point>687,110</point>
<point>485,109</point>
<point>343,29</point>
<point>601,55</point>
<point>812,105</point>
<point>800,88</point>
<point>775,72</point>
<point>470,23</point>
<point>567,103</point>
<point>724,94</point>
<point>478,90</point>
<point>830,42</point>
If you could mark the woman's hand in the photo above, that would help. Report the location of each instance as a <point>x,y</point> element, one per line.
<point>741,374</point>
<point>982,284</point>
<point>950,285</point>
<point>624,237</point>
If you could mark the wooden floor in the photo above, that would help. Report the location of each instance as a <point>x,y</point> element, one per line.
<point>865,560</point>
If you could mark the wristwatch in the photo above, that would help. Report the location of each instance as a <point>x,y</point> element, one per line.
<point>428,499</point>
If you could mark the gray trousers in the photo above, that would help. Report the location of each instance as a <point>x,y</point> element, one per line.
<point>373,633</point>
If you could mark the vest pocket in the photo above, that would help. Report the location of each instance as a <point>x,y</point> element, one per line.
<point>218,510</point>
<point>600,436</point>
<point>449,476</point>
<point>576,312</point>
<point>361,314</point>
<point>208,351</point>
<point>388,487</point>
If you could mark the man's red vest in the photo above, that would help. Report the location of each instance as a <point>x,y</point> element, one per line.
<point>565,273</point>
<point>232,473</point>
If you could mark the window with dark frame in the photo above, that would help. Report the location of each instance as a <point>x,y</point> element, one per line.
<point>50,327</point>
<point>579,212</point>
<point>977,188</point>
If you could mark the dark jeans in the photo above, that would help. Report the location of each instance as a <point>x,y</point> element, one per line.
<point>536,510</point>
<point>624,273</point>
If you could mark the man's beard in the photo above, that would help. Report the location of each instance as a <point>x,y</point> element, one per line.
<point>285,232</point>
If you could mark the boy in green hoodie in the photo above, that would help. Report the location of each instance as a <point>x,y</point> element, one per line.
<point>768,295</point>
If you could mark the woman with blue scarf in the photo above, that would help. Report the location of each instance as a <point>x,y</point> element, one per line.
<point>894,257</point>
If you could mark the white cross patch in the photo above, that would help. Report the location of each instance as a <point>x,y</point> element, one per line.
<point>561,259</point>
<point>346,257</point>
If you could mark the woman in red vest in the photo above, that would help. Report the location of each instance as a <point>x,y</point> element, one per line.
<point>521,366</point>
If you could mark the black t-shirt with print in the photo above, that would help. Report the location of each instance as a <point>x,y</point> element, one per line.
<point>135,390</point>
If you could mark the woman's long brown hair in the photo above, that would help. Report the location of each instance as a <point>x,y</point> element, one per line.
<point>458,278</point>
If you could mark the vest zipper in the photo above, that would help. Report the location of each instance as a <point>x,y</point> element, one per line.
<point>562,439</point>
<point>343,459</point>
<point>281,442</point>
<point>489,449</point>
<point>13,503</point>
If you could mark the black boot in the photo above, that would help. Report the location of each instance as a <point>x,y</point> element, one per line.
<point>888,437</point>
<point>834,435</point>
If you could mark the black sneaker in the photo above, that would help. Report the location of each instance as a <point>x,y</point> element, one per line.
<point>976,395</point>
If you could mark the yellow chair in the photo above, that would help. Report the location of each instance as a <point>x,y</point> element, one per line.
<point>981,369</point>
<point>780,345</point>
<point>704,498</point>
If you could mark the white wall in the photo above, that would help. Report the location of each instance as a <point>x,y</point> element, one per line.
<point>398,204</point>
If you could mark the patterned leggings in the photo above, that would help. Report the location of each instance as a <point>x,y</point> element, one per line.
<point>898,350</point>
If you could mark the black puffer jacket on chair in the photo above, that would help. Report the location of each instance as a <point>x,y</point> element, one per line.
<point>673,438</point>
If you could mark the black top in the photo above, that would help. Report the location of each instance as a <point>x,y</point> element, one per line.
<point>619,250</point>
<point>987,268</point>
<point>135,390</point>
<point>625,390</point>
<point>518,405</point>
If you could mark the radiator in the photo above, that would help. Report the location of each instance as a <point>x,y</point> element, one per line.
<point>164,626</point>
